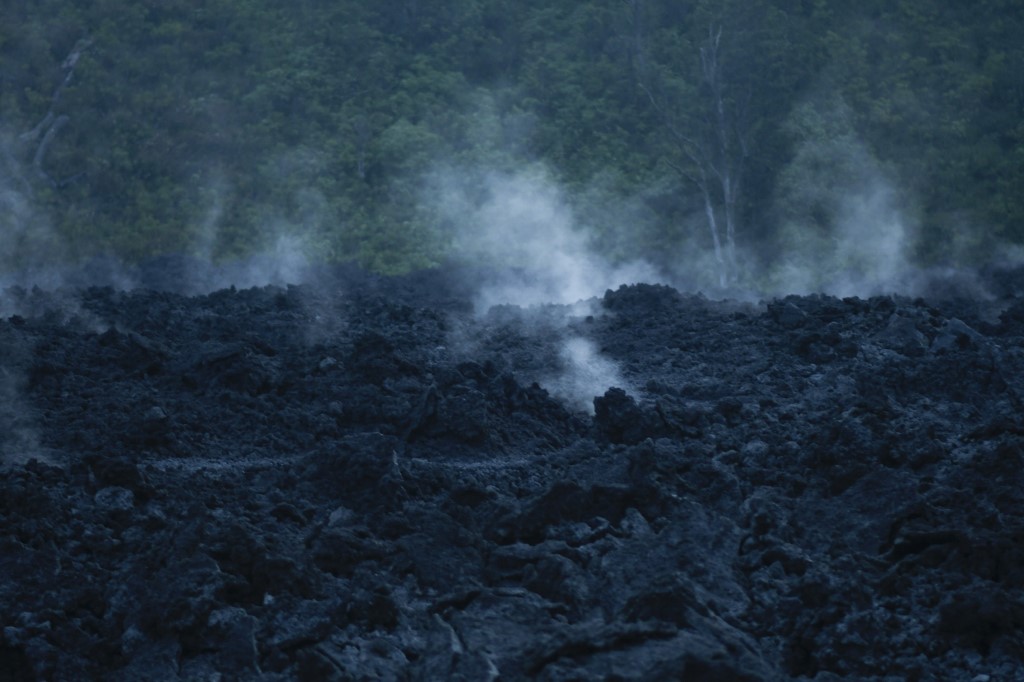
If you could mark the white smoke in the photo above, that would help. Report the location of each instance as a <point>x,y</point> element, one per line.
<point>29,247</point>
<point>285,261</point>
<point>19,438</point>
<point>521,224</point>
<point>848,228</point>
<point>285,255</point>
<point>585,374</point>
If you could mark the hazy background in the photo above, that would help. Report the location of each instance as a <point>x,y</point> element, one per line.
<point>852,145</point>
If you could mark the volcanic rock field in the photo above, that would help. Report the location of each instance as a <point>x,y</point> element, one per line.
<point>367,478</point>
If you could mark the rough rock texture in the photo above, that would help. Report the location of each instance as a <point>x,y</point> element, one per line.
<point>359,479</point>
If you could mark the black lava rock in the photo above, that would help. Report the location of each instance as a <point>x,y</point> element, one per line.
<point>359,478</point>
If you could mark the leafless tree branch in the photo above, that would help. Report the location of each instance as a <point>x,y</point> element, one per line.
<point>711,143</point>
<point>52,123</point>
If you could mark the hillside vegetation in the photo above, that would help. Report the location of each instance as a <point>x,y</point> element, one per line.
<point>769,128</point>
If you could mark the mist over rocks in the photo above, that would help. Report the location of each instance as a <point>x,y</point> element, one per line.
<point>363,477</point>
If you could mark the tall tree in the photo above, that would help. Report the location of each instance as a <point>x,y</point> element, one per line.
<point>707,124</point>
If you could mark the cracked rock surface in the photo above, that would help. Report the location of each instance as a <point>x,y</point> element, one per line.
<point>360,478</point>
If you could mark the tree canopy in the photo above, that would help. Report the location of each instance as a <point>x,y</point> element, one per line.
<point>214,126</point>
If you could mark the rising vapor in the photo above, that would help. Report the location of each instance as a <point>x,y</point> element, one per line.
<point>848,227</point>
<point>522,225</point>
<point>585,373</point>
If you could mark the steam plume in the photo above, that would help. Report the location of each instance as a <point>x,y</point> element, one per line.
<point>522,224</point>
<point>585,374</point>
<point>847,227</point>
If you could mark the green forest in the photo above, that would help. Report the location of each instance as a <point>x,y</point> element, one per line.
<point>746,130</point>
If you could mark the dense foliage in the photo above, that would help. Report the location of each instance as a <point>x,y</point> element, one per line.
<point>217,125</point>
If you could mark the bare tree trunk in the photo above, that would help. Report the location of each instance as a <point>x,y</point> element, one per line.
<point>33,135</point>
<point>709,138</point>
<point>51,123</point>
<point>44,146</point>
<point>709,211</point>
<point>731,149</point>
<point>729,191</point>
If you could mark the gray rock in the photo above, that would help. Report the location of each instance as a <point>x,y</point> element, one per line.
<point>956,335</point>
<point>115,499</point>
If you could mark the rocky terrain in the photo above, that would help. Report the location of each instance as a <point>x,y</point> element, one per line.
<point>362,478</point>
